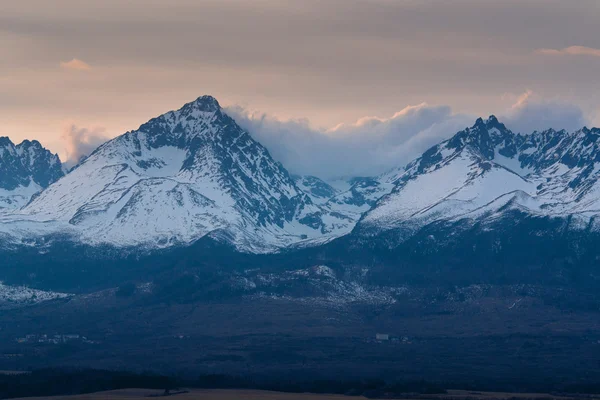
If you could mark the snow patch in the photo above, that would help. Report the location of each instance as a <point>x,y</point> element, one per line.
<point>22,295</point>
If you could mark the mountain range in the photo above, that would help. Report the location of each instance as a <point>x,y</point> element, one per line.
<point>192,176</point>
<point>195,173</point>
<point>181,176</point>
<point>186,232</point>
<point>486,171</point>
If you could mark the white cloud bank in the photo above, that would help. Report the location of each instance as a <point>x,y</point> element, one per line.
<point>368,147</point>
<point>373,145</point>
<point>533,113</point>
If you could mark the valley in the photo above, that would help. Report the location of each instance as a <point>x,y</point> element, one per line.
<point>445,336</point>
<point>186,237</point>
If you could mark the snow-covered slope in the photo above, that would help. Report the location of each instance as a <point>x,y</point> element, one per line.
<point>25,169</point>
<point>350,197</point>
<point>345,199</point>
<point>485,171</point>
<point>358,195</point>
<point>319,191</point>
<point>181,176</point>
<point>21,295</point>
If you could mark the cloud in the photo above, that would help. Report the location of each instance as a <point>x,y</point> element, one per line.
<point>80,142</point>
<point>76,64</point>
<point>531,112</point>
<point>367,147</point>
<point>571,51</point>
<point>373,145</point>
<point>333,61</point>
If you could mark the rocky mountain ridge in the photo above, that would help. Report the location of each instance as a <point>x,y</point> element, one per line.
<point>25,169</point>
<point>194,173</point>
<point>181,176</point>
<point>486,170</point>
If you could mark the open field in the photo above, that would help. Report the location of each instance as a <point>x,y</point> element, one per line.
<point>217,394</point>
<point>132,394</point>
<point>532,344</point>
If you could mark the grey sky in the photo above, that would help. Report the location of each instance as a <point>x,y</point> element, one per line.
<point>331,61</point>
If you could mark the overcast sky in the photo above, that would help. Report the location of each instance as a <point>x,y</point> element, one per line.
<point>73,72</point>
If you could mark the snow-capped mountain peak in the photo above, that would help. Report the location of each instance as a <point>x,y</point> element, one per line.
<point>204,103</point>
<point>485,136</point>
<point>183,175</point>
<point>25,169</point>
<point>487,168</point>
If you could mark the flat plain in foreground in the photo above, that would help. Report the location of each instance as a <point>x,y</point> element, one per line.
<point>227,394</point>
<point>197,394</point>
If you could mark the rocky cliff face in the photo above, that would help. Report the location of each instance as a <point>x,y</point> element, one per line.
<point>25,169</point>
<point>181,176</point>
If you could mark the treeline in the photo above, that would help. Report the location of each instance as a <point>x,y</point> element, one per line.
<point>370,388</point>
<point>52,382</point>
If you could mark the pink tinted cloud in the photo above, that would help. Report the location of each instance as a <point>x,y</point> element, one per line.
<point>571,51</point>
<point>76,64</point>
